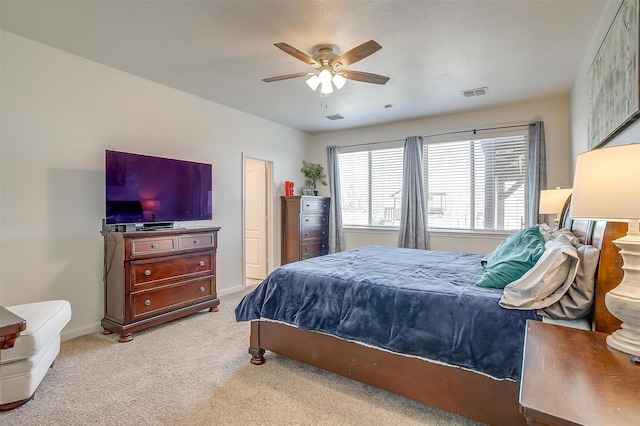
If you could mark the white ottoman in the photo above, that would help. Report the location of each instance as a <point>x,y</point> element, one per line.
<point>23,367</point>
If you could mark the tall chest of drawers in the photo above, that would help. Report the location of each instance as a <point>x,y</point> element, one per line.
<point>305,227</point>
<point>152,277</point>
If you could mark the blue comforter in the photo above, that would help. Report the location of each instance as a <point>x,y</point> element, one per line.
<point>413,302</point>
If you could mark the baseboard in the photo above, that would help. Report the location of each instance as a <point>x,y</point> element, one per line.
<point>231,290</point>
<point>80,331</point>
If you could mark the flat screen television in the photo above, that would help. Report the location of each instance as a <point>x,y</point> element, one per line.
<point>155,191</point>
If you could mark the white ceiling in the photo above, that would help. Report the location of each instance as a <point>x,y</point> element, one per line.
<point>431,50</point>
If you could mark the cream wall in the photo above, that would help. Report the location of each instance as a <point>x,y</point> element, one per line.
<point>553,111</point>
<point>59,113</point>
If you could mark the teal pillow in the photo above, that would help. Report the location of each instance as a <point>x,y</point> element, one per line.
<point>513,258</point>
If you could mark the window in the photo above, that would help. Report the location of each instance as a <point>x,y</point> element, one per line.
<point>471,185</point>
<point>371,186</point>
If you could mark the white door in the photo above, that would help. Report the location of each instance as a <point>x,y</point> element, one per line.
<point>255,218</point>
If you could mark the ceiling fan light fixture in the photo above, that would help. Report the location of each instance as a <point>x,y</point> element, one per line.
<point>325,77</point>
<point>313,82</point>
<point>326,89</point>
<point>339,81</point>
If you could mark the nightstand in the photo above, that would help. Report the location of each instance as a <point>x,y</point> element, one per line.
<point>571,377</point>
<point>11,326</point>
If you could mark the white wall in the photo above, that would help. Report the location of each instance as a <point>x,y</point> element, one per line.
<point>553,111</point>
<point>59,113</point>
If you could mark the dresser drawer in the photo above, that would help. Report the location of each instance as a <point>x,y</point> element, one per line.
<point>313,249</point>
<point>310,205</point>
<point>196,241</point>
<point>145,246</point>
<point>168,298</point>
<point>159,270</point>
<point>312,221</point>
<point>310,233</point>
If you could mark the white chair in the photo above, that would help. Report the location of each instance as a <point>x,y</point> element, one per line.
<point>23,366</point>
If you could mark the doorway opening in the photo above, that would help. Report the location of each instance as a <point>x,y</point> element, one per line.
<point>257,218</point>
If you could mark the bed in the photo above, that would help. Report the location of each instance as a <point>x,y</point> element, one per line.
<point>485,392</point>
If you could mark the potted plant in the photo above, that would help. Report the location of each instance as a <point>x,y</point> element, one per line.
<point>313,172</point>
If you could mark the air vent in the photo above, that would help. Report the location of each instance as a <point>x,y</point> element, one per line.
<point>335,117</point>
<point>475,92</point>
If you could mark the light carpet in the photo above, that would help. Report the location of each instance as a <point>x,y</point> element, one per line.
<point>196,371</point>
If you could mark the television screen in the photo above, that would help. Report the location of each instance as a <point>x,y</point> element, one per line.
<point>146,189</point>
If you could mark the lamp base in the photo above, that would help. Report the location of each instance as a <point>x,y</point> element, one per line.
<point>628,342</point>
<point>624,300</point>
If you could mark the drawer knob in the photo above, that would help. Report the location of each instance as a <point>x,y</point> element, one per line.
<point>196,241</point>
<point>306,234</point>
<point>306,220</point>
<point>324,219</point>
<point>306,249</point>
<point>201,288</point>
<point>147,272</point>
<point>147,302</point>
<point>201,263</point>
<point>154,245</point>
<point>308,205</point>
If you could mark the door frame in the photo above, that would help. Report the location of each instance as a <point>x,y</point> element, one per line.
<point>269,166</point>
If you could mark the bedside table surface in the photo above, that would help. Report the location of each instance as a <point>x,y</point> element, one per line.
<point>571,376</point>
<point>10,327</point>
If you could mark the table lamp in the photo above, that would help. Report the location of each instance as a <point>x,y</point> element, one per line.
<point>552,202</point>
<point>606,186</point>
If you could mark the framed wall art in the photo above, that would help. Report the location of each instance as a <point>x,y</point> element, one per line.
<point>613,79</point>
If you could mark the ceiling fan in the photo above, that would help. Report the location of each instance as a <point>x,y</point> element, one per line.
<point>329,67</point>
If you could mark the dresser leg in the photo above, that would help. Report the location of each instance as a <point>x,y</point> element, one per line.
<point>214,309</point>
<point>127,337</point>
<point>107,332</point>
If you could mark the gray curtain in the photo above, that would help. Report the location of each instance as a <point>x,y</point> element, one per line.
<point>537,171</point>
<point>336,238</point>
<point>413,220</point>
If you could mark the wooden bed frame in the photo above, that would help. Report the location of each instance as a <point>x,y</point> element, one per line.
<point>467,393</point>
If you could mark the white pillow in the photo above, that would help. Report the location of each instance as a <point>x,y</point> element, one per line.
<point>577,301</point>
<point>549,233</point>
<point>548,280</point>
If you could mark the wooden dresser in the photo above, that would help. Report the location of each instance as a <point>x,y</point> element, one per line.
<point>571,377</point>
<point>152,277</point>
<point>305,227</point>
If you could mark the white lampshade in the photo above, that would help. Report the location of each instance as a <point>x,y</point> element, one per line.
<point>339,81</point>
<point>313,82</point>
<point>606,185</point>
<point>552,200</point>
<point>325,77</point>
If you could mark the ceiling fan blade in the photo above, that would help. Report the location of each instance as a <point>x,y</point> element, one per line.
<point>358,53</point>
<point>364,76</point>
<point>285,77</point>
<point>295,53</point>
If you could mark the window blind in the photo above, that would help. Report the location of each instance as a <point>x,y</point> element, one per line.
<point>471,184</point>
<point>371,184</point>
<point>477,184</point>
